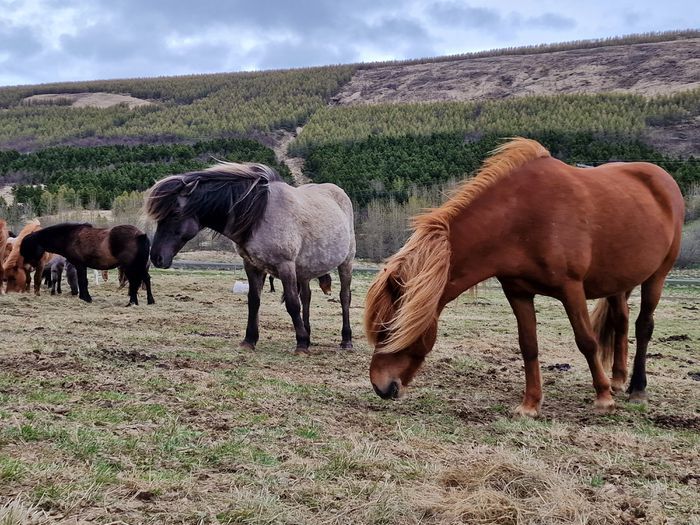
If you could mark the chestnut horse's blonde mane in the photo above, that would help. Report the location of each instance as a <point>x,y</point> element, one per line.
<point>13,260</point>
<point>402,302</point>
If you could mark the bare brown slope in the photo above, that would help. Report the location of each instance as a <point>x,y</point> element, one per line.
<point>647,69</point>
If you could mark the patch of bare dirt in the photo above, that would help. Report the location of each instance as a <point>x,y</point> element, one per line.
<point>682,139</point>
<point>280,145</point>
<point>6,193</point>
<point>83,100</point>
<point>647,69</point>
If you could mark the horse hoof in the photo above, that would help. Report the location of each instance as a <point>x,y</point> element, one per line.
<point>603,406</point>
<point>346,346</point>
<point>151,301</point>
<point>244,345</point>
<point>638,396</point>
<point>617,385</point>
<point>86,299</point>
<point>526,411</point>
<point>302,350</point>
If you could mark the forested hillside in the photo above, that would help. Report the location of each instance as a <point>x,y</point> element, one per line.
<point>183,108</point>
<point>387,131</point>
<point>96,176</point>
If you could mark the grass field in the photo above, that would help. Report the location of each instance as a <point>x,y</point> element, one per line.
<point>152,414</point>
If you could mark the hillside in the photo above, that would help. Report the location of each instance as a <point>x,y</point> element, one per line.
<point>657,68</point>
<point>376,129</point>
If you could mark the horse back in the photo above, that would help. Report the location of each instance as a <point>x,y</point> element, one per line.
<point>612,226</point>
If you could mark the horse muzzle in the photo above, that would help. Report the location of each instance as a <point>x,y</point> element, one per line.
<point>392,391</point>
<point>161,262</point>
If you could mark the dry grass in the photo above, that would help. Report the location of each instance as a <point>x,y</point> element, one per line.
<point>152,414</point>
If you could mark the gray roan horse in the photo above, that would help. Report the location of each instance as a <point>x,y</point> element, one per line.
<point>294,234</point>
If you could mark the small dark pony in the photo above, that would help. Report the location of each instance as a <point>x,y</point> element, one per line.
<point>53,275</point>
<point>101,248</point>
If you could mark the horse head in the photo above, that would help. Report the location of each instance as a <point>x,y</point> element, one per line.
<point>31,249</point>
<point>176,224</point>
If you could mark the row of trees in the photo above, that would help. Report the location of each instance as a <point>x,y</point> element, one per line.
<point>232,105</point>
<point>389,167</point>
<point>94,177</point>
<point>636,38</point>
<point>603,113</point>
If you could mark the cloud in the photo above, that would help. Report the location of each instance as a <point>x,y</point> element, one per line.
<point>56,40</point>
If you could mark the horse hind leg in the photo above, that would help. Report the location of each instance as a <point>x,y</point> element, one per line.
<point>644,328</point>
<point>305,296</point>
<point>345,274</point>
<point>287,274</point>
<point>134,278</point>
<point>147,283</point>
<point>610,320</point>
<point>574,300</point>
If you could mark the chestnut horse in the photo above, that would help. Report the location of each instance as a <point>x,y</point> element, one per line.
<point>17,271</point>
<point>540,227</point>
<point>101,248</point>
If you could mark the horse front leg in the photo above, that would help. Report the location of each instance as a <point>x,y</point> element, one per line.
<point>256,280</point>
<point>524,309</point>
<point>345,273</point>
<point>83,293</point>
<point>287,274</point>
<point>38,272</point>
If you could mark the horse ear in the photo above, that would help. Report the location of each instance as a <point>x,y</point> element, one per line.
<point>188,188</point>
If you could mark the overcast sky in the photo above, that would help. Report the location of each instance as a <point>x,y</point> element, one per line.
<point>58,40</point>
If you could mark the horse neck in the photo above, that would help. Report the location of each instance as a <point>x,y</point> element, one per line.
<point>476,247</point>
<point>221,224</point>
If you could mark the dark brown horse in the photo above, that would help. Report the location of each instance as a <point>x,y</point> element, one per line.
<point>540,227</point>
<point>101,248</point>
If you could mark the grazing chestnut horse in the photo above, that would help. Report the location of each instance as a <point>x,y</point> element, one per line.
<point>294,234</point>
<point>17,270</point>
<point>101,248</point>
<point>540,227</point>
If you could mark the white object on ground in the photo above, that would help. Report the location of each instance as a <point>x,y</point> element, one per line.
<point>240,287</point>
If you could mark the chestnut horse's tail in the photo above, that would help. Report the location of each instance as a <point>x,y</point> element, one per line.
<point>604,328</point>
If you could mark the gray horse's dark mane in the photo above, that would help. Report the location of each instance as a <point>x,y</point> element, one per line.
<point>228,196</point>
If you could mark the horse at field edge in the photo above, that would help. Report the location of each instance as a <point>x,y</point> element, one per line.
<point>541,227</point>
<point>294,234</point>
<point>17,271</point>
<point>85,247</point>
